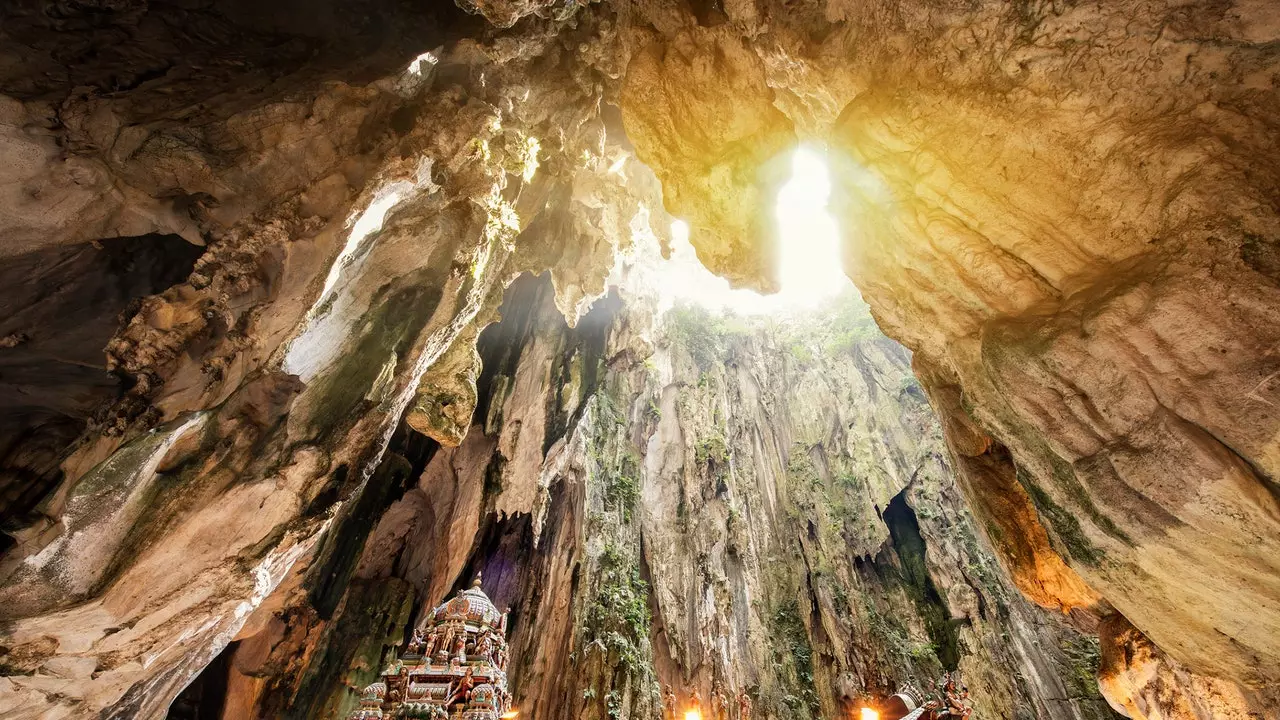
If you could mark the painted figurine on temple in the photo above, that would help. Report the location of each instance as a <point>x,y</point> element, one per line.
<point>744,706</point>
<point>397,684</point>
<point>450,663</point>
<point>463,691</point>
<point>441,651</point>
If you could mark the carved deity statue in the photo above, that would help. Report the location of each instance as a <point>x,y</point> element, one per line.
<point>719,705</point>
<point>668,704</point>
<point>416,642</point>
<point>442,648</point>
<point>744,706</point>
<point>462,692</point>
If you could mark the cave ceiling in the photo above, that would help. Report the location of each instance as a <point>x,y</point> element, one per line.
<point>1067,212</point>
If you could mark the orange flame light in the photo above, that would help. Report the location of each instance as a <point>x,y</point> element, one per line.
<point>694,714</point>
<point>869,714</point>
<point>509,715</point>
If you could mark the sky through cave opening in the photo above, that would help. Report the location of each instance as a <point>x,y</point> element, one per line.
<point>808,260</point>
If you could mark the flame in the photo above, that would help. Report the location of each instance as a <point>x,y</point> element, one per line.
<point>508,715</point>
<point>869,714</point>
<point>694,714</point>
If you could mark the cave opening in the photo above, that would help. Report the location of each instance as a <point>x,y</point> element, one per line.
<point>806,260</point>
<point>314,311</point>
<point>904,529</point>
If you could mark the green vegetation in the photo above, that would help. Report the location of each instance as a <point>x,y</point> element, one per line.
<point>800,467</point>
<point>712,449</point>
<point>1082,659</point>
<point>622,493</point>
<point>793,659</point>
<point>851,323</point>
<point>655,410</point>
<point>617,464</point>
<point>841,598</point>
<point>849,481</point>
<point>801,352</point>
<point>888,633</point>
<point>608,410</point>
<point>706,336</point>
<point>923,651</point>
<point>618,618</point>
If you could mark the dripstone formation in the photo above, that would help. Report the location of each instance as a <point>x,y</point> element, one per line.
<point>262,400</point>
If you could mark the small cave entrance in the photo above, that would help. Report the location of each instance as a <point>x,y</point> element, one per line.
<point>206,696</point>
<point>528,309</point>
<point>904,529</point>
<point>503,554</point>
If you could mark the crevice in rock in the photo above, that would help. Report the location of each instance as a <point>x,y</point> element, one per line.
<point>205,697</point>
<point>910,548</point>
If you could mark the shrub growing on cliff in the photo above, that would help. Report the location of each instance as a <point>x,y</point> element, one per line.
<point>800,467</point>
<point>704,335</point>
<point>791,648</point>
<point>622,486</point>
<point>712,449</point>
<point>618,619</point>
<point>851,323</point>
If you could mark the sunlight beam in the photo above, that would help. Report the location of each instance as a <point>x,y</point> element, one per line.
<point>808,260</point>
<point>809,266</point>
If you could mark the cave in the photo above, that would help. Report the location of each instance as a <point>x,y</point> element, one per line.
<point>772,359</point>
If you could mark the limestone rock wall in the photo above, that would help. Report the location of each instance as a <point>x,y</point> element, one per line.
<point>1066,211</point>
<point>357,212</point>
<point>714,503</point>
<point>799,467</point>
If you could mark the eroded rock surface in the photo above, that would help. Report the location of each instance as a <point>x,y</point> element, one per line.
<point>1142,681</point>
<point>707,503</point>
<point>355,229</point>
<point>1065,211</point>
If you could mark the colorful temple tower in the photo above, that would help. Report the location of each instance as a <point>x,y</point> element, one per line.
<point>454,667</point>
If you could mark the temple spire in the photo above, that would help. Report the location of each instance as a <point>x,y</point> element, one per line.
<point>454,666</point>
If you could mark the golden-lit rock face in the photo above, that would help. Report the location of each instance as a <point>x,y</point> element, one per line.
<point>1095,275</point>
<point>1068,213</point>
<point>1144,683</point>
<point>987,474</point>
<point>700,113</point>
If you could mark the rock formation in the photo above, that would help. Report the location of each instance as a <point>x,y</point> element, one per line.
<point>701,503</point>
<point>249,249</point>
